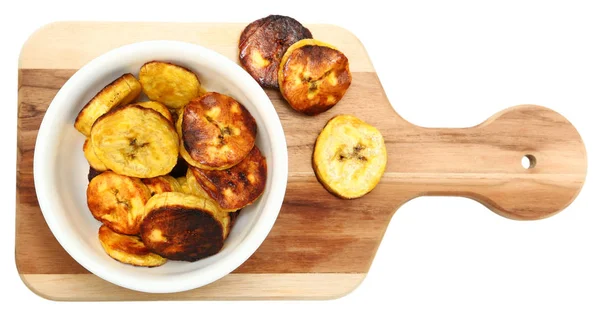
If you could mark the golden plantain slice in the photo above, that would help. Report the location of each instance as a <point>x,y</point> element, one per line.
<point>122,91</point>
<point>118,201</point>
<point>128,249</point>
<point>136,141</point>
<point>184,186</point>
<point>183,227</point>
<point>161,184</point>
<point>194,187</point>
<point>238,186</point>
<point>158,107</point>
<point>216,132</point>
<point>91,157</point>
<point>169,84</point>
<point>349,157</point>
<point>313,76</point>
<point>263,43</point>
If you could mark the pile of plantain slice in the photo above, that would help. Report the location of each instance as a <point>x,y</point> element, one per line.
<point>168,176</point>
<point>279,52</point>
<point>349,157</point>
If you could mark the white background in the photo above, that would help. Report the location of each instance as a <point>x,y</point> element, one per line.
<point>444,263</point>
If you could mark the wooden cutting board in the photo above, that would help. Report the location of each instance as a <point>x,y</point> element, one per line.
<point>320,247</point>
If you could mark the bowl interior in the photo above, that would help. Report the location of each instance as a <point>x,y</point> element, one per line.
<point>60,168</point>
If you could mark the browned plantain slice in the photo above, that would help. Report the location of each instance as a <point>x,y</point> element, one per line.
<point>91,157</point>
<point>170,84</point>
<point>135,141</point>
<point>122,91</point>
<point>128,249</point>
<point>118,201</point>
<point>161,184</point>
<point>216,132</point>
<point>238,186</point>
<point>349,157</point>
<point>183,227</point>
<point>263,43</point>
<point>194,188</point>
<point>313,76</point>
<point>158,107</point>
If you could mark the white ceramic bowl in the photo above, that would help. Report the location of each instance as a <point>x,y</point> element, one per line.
<point>60,169</point>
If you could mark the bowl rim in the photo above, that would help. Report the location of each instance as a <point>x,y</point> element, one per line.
<point>267,215</point>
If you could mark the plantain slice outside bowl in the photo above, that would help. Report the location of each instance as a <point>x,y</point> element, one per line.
<point>121,91</point>
<point>128,249</point>
<point>263,43</point>
<point>158,107</point>
<point>91,157</point>
<point>118,201</point>
<point>136,141</point>
<point>184,227</point>
<point>169,84</point>
<point>349,157</point>
<point>216,132</point>
<point>238,186</point>
<point>313,76</point>
<point>161,184</point>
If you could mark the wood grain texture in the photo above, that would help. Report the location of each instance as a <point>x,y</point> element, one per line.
<point>231,287</point>
<point>320,246</point>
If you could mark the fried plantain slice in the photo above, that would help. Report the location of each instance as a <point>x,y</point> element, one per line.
<point>216,132</point>
<point>91,157</point>
<point>161,184</point>
<point>135,141</point>
<point>238,186</point>
<point>158,107</point>
<point>313,76</point>
<point>122,91</point>
<point>349,157</point>
<point>184,186</point>
<point>169,84</point>
<point>118,201</point>
<point>196,189</point>
<point>183,227</point>
<point>263,43</point>
<point>128,249</point>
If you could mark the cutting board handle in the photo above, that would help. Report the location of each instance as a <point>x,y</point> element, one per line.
<point>485,162</point>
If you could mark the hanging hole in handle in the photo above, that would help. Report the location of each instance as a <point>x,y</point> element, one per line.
<point>528,161</point>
